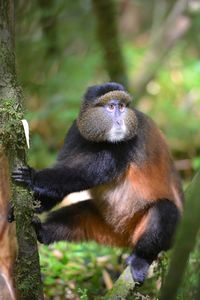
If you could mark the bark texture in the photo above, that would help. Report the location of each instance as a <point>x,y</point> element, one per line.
<point>12,141</point>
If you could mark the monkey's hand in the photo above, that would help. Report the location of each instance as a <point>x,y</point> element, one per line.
<point>24,176</point>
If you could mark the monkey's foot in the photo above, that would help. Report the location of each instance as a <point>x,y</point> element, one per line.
<point>24,176</point>
<point>43,236</point>
<point>38,228</point>
<point>139,267</point>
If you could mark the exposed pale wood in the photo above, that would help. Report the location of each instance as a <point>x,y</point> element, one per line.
<point>7,235</point>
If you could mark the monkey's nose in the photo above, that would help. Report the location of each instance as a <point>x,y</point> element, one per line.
<point>119,122</point>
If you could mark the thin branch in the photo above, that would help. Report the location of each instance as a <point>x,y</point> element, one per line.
<point>185,241</point>
<point>174,28</point>
<point>122,288</point>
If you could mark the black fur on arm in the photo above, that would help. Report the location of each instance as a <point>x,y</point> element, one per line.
<point>81,165</point>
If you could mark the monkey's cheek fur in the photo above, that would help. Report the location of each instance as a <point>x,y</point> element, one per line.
<point>94,125</point>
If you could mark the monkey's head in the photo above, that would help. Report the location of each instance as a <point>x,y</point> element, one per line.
<point>105,114</point>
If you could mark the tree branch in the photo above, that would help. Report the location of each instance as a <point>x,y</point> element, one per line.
<point>173,29</point>
<point>123,287</point>
<point>184,242</point>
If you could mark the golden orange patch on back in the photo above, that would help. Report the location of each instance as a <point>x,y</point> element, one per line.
<point>150,182</point>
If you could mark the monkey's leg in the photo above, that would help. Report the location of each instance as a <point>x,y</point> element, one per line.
<point>77,222</point>
<point>161,224</point>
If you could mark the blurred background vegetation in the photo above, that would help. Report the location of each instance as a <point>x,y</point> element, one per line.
<point>60,52</point>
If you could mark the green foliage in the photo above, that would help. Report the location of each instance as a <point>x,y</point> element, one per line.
<point>55,82</point>
<point>196,163</point>
<point>83,294</point>
<point>77,268</point>
<point>173,98</point>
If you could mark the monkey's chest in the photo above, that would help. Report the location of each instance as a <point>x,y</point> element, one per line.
<point>122,199</point>
<point>117,202</point>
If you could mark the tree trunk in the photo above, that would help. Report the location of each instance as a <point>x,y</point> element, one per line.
<point>12,141</point>
<point>107,31</point>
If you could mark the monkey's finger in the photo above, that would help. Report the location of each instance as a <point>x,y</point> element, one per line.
<point>20,179</point>
<point>22,171</point>
<point>25,168</point>
<point>22,174</point>
<point>19,174</point>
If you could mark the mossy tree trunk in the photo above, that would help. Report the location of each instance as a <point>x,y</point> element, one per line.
<point>12,141</point>
<point>107,32</point>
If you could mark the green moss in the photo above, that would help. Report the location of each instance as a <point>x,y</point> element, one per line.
<point>29,287</point>
<point>123,287</point>
<point>27,273</point>
<point>11,129</point>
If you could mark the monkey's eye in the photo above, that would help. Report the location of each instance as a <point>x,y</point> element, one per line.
<point>122,107</point>
<point>111,107</point>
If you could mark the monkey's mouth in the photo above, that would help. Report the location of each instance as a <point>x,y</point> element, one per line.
<point>117,134</point>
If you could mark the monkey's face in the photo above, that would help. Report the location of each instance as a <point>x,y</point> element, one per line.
<point>122,121</point>
<point>112,121</point>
